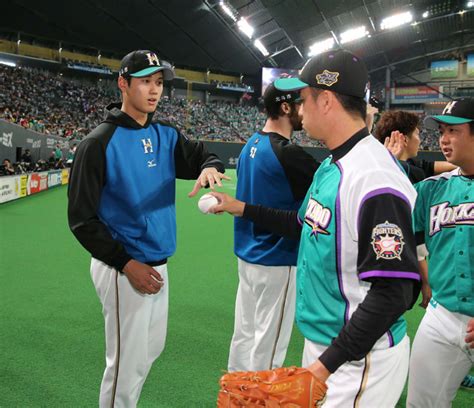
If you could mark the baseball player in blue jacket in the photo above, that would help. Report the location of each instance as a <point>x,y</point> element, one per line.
<point>122,210</point>
<point>273,172</point>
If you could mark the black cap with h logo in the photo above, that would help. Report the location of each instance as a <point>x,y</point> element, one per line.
<point>143,63</point>
<point>456,112</point>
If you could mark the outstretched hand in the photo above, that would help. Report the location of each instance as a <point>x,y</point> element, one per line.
<point>396,143</point>
<point>208,177</point>
<point>227,204</point>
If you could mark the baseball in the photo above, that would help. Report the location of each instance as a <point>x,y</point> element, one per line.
<point>206,202</point>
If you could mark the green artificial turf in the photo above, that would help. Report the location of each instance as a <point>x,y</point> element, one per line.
<point>51,325</point>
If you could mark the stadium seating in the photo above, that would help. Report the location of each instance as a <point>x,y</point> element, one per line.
<point>49,103</point>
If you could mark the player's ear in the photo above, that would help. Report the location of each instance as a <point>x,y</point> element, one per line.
<point>122,83</point>
<point>285,108</point>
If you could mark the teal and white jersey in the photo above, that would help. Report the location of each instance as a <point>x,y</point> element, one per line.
<point>357,226</point>
<point>444,221</point>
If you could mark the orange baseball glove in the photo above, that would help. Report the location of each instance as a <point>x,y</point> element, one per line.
<point>288,387</point>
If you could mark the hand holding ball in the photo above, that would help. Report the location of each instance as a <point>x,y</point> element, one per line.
<point>206,202</point>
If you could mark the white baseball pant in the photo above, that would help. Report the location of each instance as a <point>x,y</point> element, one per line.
<point>440,358</point>
<point>376,381</point>
<point>135,333</point>
<point>264,315</point>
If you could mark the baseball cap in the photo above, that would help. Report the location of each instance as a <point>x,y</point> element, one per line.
<point>339,71</point>
<point>456,112</point>
<point>142,63</point>
<point>273,96</point>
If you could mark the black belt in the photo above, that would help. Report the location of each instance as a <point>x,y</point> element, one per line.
<point>157,263</point>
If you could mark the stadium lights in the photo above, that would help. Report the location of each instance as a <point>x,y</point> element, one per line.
<point>226,9</point>
<point>425,14</point>
<point>470,4</point>
<point>245,27</point>
<point>261,47</point>
<point>7,63</point>
<point>353,34</point>
<point>396,20</point>
<point>321,46</point>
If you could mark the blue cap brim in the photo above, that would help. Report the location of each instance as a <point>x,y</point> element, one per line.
<point>167,72</point>
<point>433,122</point>
<point>290,84</point>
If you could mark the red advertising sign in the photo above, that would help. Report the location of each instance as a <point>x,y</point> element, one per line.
<point>37,182</point>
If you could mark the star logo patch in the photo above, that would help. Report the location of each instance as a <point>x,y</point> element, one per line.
<point>387,241</point>
<point>327,78</point>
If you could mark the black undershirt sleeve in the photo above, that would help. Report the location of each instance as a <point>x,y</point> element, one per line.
<point>417,170</point>
<point>387,259</point>
<point>385,302</point>
<point>280,222</point>
<point>191,157</point>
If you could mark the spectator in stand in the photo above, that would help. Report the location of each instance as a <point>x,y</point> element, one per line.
<point>70,155</point>
<point>27,160</point>
<point>58,154</point>
<point>8,168</point>
<point>26,157</point>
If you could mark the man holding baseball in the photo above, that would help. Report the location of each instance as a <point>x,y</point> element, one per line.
<point>357,263</point>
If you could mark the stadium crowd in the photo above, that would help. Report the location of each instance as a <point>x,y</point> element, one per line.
<point>49,103</point>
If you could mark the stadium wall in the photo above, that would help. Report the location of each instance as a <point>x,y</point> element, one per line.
<point>14,136</point>
<point>40,145</point>
<point>22,185</point>
<point>229,153</point>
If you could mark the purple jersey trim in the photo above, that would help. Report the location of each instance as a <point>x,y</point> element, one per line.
<point>338,244</point>
<point>299,220</point>
<point>380,191</point>
<point>390,338</point>
<point>389,274</point>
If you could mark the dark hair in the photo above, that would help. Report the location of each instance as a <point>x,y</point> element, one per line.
<point>403,121</point>
<point>274,111</point>
<point>353,105</point>
<point>471,127</point>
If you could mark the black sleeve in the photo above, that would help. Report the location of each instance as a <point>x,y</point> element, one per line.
<point>420,238</point>
<point>385,302</point>
<point>386,241</point>
<point>280,222</point>
<point>426,166</point>
<point>191,157</point>
<point>387,258</point>
<point>299,167</point>
<point>417,170</point>
<point>85,186</point>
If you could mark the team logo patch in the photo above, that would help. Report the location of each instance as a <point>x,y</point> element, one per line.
<point>147,145</point>
<point>449,107</point>
<point>317,217</point>
<point>327,78</point>
<point>151,163</point>
<point>387,241</point>
<point>152,58</point>
<point>444,216</point>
